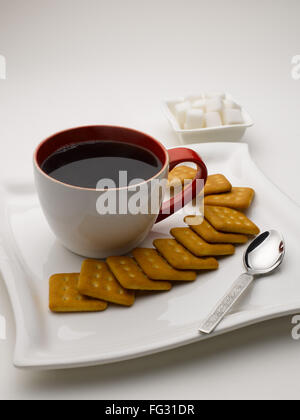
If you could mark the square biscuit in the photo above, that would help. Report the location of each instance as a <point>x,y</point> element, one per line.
<point>65,297</point>
<point>211,235</point>
<point>198,246</point>
<point>157,268</point>
<point>180,258</point>
<point>131,276</point>
<point>97,281</point>
<point>181,175</point>
<point>238,199</point>
<point>229,220</point>
<point>217,184</point>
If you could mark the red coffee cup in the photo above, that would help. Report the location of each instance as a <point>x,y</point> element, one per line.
<point>72,211</point>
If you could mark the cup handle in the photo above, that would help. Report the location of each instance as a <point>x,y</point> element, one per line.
<point>178,156</point>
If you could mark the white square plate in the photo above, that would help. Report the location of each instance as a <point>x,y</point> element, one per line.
<point>30,254</point>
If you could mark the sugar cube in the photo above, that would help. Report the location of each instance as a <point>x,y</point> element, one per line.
<point>215,95</point>
<point>213,119</point>
<point>214,105</point>
<point>194,98</point>
<point>228,103</point>
<point>200,104</point>
<point>180,112</point>
<point>194,119</point>
<point>232,116</point>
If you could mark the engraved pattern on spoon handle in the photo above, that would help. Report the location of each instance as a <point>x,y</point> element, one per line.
<point>223,307</point>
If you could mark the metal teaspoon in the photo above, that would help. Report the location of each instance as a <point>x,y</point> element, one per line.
<point>263,255</point>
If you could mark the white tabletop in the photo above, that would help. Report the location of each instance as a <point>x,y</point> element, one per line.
<point>81,62</point>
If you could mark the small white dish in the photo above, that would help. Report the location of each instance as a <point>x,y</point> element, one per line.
<point>225,133</point>
<point>29,254</point>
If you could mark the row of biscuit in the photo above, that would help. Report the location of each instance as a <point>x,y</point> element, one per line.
<point>192,250</point>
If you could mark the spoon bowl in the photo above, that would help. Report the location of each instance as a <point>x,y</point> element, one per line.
<point>265,253</point>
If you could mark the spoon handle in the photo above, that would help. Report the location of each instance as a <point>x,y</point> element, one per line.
<point>223,307</point>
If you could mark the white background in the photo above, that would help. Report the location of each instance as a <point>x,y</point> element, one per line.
<point>73,62</point>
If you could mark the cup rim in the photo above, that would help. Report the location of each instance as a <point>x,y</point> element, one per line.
<point>62,132</point>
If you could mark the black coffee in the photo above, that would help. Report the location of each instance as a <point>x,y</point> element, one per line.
<point>85,164</point>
